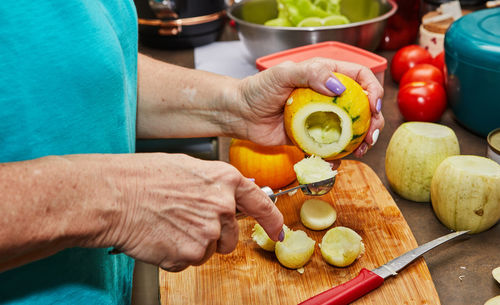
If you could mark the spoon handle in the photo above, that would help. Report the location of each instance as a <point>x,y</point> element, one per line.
<point>273,196</point>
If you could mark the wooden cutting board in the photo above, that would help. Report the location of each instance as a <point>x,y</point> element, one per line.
<point>250,275</point>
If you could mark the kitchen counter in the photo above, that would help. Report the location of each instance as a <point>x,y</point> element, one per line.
<point>461,270</point>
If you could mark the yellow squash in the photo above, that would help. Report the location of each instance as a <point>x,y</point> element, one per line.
<point>269,165</point>
<point>465,193</point>
<point>326,126</point>
<point>413,154</point>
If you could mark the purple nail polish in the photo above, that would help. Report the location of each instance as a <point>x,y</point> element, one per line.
<point>335,85</point>
<point>378,107</point>
<point>281,237</point>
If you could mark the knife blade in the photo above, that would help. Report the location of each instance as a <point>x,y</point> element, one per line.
<point>368,280</point>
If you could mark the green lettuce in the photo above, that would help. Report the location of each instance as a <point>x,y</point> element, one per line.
<point>308,13</point>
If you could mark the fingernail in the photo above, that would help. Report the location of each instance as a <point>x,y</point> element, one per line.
<point>281,237</point>
<point>375,135</point>
<point>335,85</point>
<point>251,179</point>
<point>363,148</point>
<point>378,107</point>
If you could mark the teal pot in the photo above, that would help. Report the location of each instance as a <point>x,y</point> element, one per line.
<point>472,56</point>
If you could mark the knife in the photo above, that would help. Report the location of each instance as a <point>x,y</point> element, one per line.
<point>367,280</point>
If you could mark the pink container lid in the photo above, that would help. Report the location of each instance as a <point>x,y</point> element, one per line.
<point>329,49</point>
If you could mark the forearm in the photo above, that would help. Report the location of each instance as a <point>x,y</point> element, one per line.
<point>178,102</point>
<point>50,204</point>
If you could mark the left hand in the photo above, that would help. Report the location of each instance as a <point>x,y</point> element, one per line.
<point>264,95</point>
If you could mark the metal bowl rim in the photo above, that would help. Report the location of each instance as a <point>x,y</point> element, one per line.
<point>391,12</point>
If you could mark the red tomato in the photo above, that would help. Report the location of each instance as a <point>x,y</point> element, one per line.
<point>438,61</point>
<point>407,58</point>
<point>422,73</point>
<point>422,101</point>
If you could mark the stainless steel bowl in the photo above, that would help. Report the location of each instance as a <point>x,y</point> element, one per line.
<point>368,19</point>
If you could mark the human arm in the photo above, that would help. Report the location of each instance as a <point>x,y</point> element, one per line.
<point>158,208</point>
<point>180,102</point>
<point>177,102</point>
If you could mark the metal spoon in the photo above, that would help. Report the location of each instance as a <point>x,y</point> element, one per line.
<point>312,189</point>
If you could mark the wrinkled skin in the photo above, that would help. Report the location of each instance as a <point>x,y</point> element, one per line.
<point>181,216</point>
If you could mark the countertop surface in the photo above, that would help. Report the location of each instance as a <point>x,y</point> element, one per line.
<point>461,270</point>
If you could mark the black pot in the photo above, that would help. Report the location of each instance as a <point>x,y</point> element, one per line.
<point>180,24</point>
<point>432,5</point>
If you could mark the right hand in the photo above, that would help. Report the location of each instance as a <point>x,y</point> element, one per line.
<point>176,210</point>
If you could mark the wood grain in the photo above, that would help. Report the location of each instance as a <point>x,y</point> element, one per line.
<point>250,275</point>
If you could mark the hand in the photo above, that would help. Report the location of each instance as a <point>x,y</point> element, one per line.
<point>180,210</point>
<point>265,94</point>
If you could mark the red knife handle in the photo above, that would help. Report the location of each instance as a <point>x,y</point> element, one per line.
<point>346,293</point>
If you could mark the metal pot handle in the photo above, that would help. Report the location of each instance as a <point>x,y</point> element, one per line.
<point>174,27</point>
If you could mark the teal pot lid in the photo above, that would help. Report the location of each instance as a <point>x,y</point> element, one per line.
<point>475,39</point>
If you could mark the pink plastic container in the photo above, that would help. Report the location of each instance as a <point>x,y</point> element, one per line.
<point>329,49</point>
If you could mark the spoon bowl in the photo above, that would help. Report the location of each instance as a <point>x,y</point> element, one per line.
<point>318,188</point>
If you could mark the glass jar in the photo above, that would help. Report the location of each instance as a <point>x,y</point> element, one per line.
<point>402,27</point>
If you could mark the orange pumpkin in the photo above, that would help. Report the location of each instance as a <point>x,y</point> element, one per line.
<point>269,165</point>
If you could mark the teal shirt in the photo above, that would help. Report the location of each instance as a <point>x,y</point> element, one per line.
<point>68,84</point>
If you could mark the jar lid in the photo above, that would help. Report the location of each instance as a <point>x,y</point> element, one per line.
<point>493,139</point>
<point>475,38</point>
<point>462,2</point>
<point>440,26</point>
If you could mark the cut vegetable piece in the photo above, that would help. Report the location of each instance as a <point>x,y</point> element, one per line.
<point>326,126</point>
<point>262,239</point>
<point>413,154</point>
<point>341,246</point>
<point>309,13</point>
<point>465,193</point>
<point>335,20</point>
<point>317,214</point>
<point>295,250</point>
<point>311,21</point>
<point>313,169</point>
<point>278,22</point>
<point>496,274</point>
<point>493,301</point>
